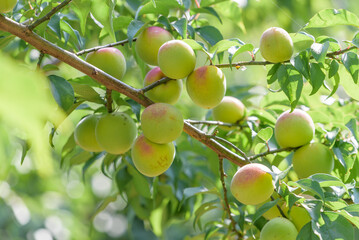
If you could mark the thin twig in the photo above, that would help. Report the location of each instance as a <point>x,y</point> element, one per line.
<point>227,208</point>
<point>232,145</point>
<point>122,42</point>
<point>288,149</point>
<point>109,100</point>
<point>217,123</point>
<point>155,84</point>
<point>41,57</point>
<point>279,209</point>
<point>49,15</point>
<point>263,63</point>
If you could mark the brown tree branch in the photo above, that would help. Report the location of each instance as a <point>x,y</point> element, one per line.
<point>232,145</point>
<point>155,84</point>
<point>108,81</point>
<point>263,63</point>
<point>49,15</point>
<point>109,100</point>
<point>226,204</point>
<point>123,42</point>
<point>288,149</point>
<point>217,123</point>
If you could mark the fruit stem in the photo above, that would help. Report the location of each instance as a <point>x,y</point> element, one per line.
<point>109,100</point>
<point>279,209</point>
<point>226,204</point>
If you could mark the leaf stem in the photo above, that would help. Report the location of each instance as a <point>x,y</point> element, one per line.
<point>49,15</point>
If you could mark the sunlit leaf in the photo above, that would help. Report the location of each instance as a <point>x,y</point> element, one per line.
<point>333,17</point>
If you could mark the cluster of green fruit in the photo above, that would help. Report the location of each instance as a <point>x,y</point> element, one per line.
<point>253,184</point>
<point>152,152</point>
<point>161,123</point>
<point>7,5</point>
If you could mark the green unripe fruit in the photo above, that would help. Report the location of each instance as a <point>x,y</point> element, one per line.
<point>176,59</point>
<point>109,60</point>
<point>276,45</point>
<point>279,229</point>
<point>206,86</point>
<point>149,42</point>
<point>162,123</point>
<point>168,92</point>
<point>84,134</point>
<point>116,132</point>
<point>230,110</point>
<point>294,129</point>
<point>299,216</point>
<point>152,159</point>
<point>312,158</point>
<point>252,184</point>
<point>7,5</point>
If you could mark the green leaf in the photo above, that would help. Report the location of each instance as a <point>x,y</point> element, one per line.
<point>24,149</point>
<point>133,29</point>
<point>82,9</point>
<point>136,107</point>
<point>62,92</point>
<point>335,227</point>
<point>326,180</point>
<point>265,134</point>
<point>223,45</point>
<point>194,44</point>
<point>75,35</point>
<point>310,185</point>
<point>272,75</point>
<point>192,191</point>
<point>355,40</point>
<point>332,17</point>
<point>319,51</point>
<point>208,10</point>
<point>121,23</point>
<point>141,184</point>
<point>306,233</point>
<point>352,125</point>
<point>351,213</point>
<point>291,82</point>
<point>264,116</point>
<point>103,10</point>
<point>235,51</point>
<point>336,84</point>
<point>313,207</point>
<point>301,40</point>
<point>301,63</point>
<point>333,68</point>
<point>181,27</point>
<point>316,77</point>
<point>54,25</point>
<point>346,80</point>
<point>351,63</point>
<point>210,34</point>
<point>80,158</point>
<point>104,204</point>
<point>158,7</point>
<point>264,208</point>
<point>86,92</point>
